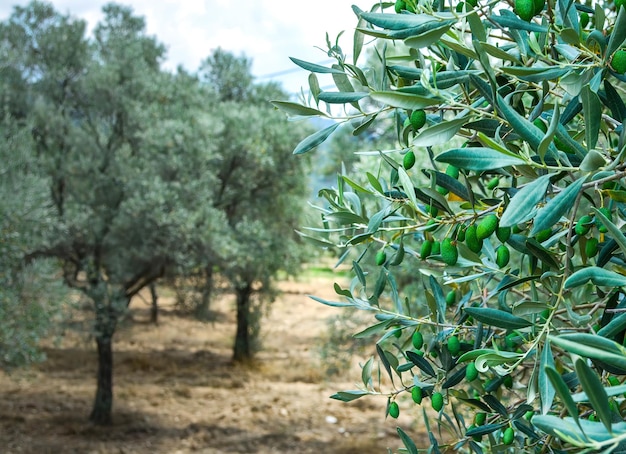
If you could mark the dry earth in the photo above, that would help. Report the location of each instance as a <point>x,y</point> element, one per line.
<point>176,390</point>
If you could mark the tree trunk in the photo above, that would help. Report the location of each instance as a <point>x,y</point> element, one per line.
<point>242,350</point>
<point>202,309</point>
<point>154,309</point>
<point>103,404</point>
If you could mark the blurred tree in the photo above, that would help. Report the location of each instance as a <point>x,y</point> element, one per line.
<point>31,295</point>
<point>124,154</point>
<point>258,191</point>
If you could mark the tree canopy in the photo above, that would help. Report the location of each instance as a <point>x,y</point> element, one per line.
<point>140,171</point>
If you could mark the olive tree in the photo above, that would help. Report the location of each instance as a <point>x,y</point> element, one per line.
<point>503,201</point>
<point>121,147</point>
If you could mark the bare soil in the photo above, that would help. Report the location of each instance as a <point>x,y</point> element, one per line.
<point>177,391</point>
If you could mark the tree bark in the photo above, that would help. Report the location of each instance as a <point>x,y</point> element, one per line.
<point>203,307</point>
<point>242,350</point>
<point>154,309</point>
<point>103,403</point>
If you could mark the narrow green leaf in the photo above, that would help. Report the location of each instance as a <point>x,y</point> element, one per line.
<point>315,139</point>
<point>293,108</point>
<point>563,391</point>
<point>345,218</point>
<point>314,86</point>
<point>614,102</point>
<point>497,318</point>
<point>427,38</point>
<point>528,131</point>
<point>537,250</point>
<point>515,23</point>
<point>403,100</point>
<point>396,21</point>
<point>479,158</point>
<point>546,387</point>
<point>421,363</point>
<point>341,97</point>
<point>558,206</point>
<point>477,27</point>
<point>330,303</point>
<point>408,443</point>
<point>349,396</point>
<point>454,379</point>
<point>422,30</point>
<point>598,276</point>
<point>535,74</point>
<point>615,326</point>
<point>439,133</point>
<point>592,111</point>
<point>596,349</point>
<point>385,360</point>
<point>407,184</point>
<point>315,67</point>
<point>618,36</point>
<point>498,52</point>
<point>358,40</point>
<point>547,139</point>
<point>374,182</point>
<point>496,405</point>
<point>595,392</point>
<point>364,126</point>
<point>485,429</point>
<point>451,184</point>
<point>522,206</point>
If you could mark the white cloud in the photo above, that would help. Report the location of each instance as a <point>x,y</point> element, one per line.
<point>267,31</point>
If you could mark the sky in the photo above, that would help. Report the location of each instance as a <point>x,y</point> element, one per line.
<point>266,31</point>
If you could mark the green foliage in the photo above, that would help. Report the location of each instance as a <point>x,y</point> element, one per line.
<point>145,172</point>
<point>530,110</point>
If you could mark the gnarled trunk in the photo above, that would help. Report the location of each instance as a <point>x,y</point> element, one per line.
<point>103,403</point>
<point>154,309</point>
<point>243,349</point>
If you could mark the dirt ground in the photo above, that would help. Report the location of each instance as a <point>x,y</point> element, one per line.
<point>177,391</point>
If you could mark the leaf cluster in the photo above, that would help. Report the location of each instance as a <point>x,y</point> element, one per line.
<point>509,222</point>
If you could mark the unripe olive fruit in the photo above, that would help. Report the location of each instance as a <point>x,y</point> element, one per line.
<point>503,233</point>
<point>452,171</point>
<point>525,9</point>
<point>618,61</point>
<point>394,409</point>
<point>583,225</point>
<point>508,436</point>
<point>451,297</point>
<point>487,226</point>
<point>416,394</point>
<point>449,252</point>
<point>543,235</point>
<point>436,248</point>
<point>418,119</point>
<point>399,6</point>
<point>454,345</point>
<point>409,160</point>
<point>480,418</point>
<point>584,19</point>
<point>493,183</point>
<point>436,399</point>
<point>417,340</point>
<point>426,249</point>
<point>503,255</point>
<point>381,258</point>
<point>471,373</point>
<point>471,239</point>
<point>591,248</point>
